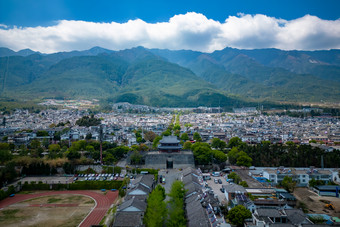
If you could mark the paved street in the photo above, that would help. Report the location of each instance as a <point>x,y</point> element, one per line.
<point>216,188</point>
<point>170,176</point>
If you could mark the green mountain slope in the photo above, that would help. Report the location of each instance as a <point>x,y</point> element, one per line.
<point>268,74</point>
<point>135,76</point>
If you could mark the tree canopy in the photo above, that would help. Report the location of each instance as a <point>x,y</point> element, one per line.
<point>238,214</point>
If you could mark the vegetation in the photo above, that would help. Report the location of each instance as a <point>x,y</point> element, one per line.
<point>156,211</point>
<point>271,155</point>
<point>176,214</point>
<point>88,121</point>
<point>288,184</point>
<point>238,214</point>
<point>235,177</point>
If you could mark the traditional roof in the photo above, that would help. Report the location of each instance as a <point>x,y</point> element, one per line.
<point>136,204</point>
<point>169,139</point>
<point>146,179</point>
<point>127,219</point>
<point>196,214</point>
<point>234,188</point>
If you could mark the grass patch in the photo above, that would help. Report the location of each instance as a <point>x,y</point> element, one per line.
<point>8,214</point>
<point>53,200</point>
<point>89,202</point>
<point>25,192</point>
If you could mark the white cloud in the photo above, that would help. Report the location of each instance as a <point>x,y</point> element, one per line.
<point>189,31</point>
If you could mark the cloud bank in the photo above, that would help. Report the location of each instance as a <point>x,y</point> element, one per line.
<point>191,31</point>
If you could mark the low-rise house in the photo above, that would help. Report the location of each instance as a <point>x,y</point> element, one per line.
<point>301,175</point>
<point>231,190</point>
<point>264,217</point>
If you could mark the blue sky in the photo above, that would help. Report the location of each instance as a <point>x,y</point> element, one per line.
<point>197,25</point>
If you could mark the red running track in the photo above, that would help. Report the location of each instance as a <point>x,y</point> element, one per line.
<point>103,203</point>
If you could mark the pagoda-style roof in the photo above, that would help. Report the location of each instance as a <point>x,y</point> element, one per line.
<point>169,139</point>
<point>169,144</point>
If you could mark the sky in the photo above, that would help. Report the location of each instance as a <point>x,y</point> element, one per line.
<point>65,25</point>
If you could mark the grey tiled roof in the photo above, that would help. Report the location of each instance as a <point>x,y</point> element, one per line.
<point>133,202</point>
<point>127,219</point>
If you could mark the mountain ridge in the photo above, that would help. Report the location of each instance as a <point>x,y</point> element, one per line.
<point>158,77</point>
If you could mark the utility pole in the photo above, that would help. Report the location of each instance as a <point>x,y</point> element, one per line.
<point>101,142</point>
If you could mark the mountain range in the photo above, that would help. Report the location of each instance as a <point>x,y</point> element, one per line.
<point>230,77</point>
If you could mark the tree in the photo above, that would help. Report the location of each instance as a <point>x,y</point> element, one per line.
<point>42,133</point>
<point>197,137</point>
<point>35,144</point>
<point>72,155</point>
<point>150,135</point>
<point>156,211</point>
<point>234,142</point>
<point>88,121</point>
<point>219,156</point>
<point>238,214</point>
<point>156,142</point>
<point>176,215</point>
<point>187,145</point>
<point>184,136</point>
<point>235,177</point>
<point>109,158</point>
<point>135,158</point>
<point>243,159</point>
<point>54,148</point>
<point>244,184</point>
<point>5,155</point>
<point>288,184</point>
<point>233,155</point>
<point>88,136</point>
<point>202,153</point>
<point>218,144</point>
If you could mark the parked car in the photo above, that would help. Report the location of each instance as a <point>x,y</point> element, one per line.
<point>222,190</point>
<point>215,181</point>
<point>219,181</point>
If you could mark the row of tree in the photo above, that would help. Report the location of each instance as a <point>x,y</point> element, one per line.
<point>171,213</point>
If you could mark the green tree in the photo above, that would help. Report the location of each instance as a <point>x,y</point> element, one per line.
<point>156,142</point>
<point>42,133</point>
<point>176,215</point>
<point>219,156</point>
<point>234,142</point>
<point>72,155</point>
<point>184,136</point>
<point>135,158</point>
<point>197,137</point>
<point>35,144</point>
<point>233,155</point>
<point>218,144</point>
<point>187,145</point>
<point>202,153</point>
<point>88,136</point>
<point>243,159</point>
<point>288,184</point>
<point>238,214</point>
<point>244,184</point>
<point>235,177</point>
<point>54,148</point>
<point>156,211</point>
<point>5,155</point>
